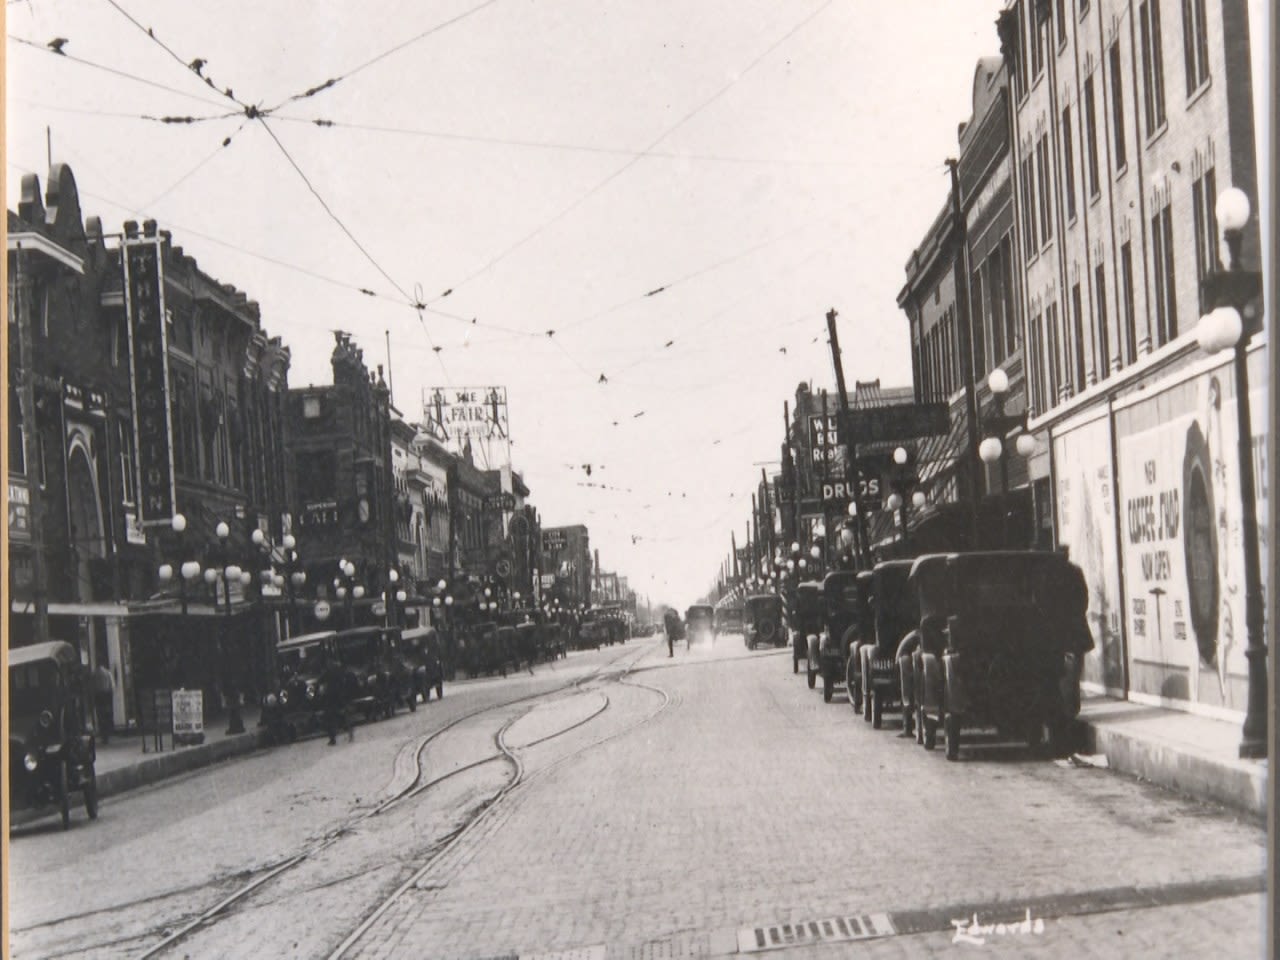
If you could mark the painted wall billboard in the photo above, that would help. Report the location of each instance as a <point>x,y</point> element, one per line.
<point>1179,488</point>
<point>1087,526</point>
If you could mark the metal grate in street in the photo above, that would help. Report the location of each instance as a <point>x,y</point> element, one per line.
<point>597,952</point>
<point>833,930</point>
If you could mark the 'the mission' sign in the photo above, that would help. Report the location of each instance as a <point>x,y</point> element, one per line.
<point>149,375</point>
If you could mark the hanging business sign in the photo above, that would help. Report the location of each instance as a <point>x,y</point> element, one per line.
<point>19,510</point>
<point>826,451</point>
<point>553,540</point>
<point>143,269</point>
<point>457,414</point>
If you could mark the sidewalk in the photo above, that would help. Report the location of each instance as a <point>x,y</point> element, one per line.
<point>1194,755</point>
<point>121,764</point>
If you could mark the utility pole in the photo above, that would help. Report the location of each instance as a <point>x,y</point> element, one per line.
<point>964,337</point>
<point>846,423</point>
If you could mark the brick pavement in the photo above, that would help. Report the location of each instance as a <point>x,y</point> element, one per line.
<point>750,801</point>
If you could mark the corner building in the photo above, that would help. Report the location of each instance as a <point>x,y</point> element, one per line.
<point>1129,118</point>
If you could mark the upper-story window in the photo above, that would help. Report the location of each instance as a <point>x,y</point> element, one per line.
<point>1101,327</point>
<point>1030,221</point>
<point>1152,65</point>
<point>311,407</point>
<point>1045,167</point>
<point>1203,191</point>
<point>1117,105</point>
<point>1091,138</point>
<point>1038,30</point>
<point>1165,284</point>
<point>1068,165</point>
<point>1195,44</point>
<point>1077,338</point>
<point>1128,308</point>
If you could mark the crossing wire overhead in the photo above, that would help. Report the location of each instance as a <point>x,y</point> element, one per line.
<point>112,70</point>
<point>575,204</point>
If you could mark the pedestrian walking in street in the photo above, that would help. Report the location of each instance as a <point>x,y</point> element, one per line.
<point>336,715</point>
<point>671,622</point>
<point>103,689</point>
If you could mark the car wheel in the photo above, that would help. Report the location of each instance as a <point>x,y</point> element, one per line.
<point>91,795</point>
<point>64,796</point>
<point>413,702</point>
<point>851,685</point>
<point>795,662</point>
<point>920,725</point>
<point>877,709</point>
<point>930,732</point>
<point>1060,740</point>
<point>439,691</point>
<point>813,677</point>
<point>951,724</point>
<point>828,682</point>
<point>1035,733</point>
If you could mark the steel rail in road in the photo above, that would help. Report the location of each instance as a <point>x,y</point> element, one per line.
<point>520,779</point>
<point>414,788</point>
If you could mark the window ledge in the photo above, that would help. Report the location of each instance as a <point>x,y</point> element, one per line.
<point>1160,132</point>
<point>1121,171</point>
<point>1198,93</point>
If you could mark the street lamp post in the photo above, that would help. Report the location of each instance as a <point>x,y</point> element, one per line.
<point>1234,315</point>
<point>221,568</point>
<point>295,578</point>
<point>991,449</point>
<point>188,571</point>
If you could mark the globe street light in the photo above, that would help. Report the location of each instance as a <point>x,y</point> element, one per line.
<point>1234,316</point>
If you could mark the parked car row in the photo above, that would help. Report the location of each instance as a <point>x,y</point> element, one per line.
<point>954,642</point>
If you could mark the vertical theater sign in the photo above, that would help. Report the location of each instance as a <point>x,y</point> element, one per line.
<point>149,374</point>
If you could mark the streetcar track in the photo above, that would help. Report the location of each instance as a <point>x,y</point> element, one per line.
<point>493,803</point>
<point>414,788</point>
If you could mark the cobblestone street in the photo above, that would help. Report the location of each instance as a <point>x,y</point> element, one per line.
<point>750,802</point>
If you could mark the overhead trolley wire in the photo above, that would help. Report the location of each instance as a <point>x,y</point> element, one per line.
<point>112,70</point>
<point>334,81</point>
<point>575,204</point>
<point>194,66</point>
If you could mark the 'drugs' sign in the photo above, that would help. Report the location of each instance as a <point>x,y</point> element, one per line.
<point>1180,539</point>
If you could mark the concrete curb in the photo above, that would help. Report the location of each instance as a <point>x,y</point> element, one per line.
<point>165,765</point>
<point>1239,784</point>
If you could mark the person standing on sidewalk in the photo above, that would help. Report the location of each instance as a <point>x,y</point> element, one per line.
<point>103,689</point>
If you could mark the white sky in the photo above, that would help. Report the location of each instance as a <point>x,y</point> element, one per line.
<point>794,157</point>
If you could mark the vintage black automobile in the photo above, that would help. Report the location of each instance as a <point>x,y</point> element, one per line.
<point>365,654</point>
<point>839,627</point>
<point>930,580</point>
<point>806,625</point>
<point>419,648</point>
<point>728,619</point>
<point>893,606</point>
<point>700,623</point>
<point>296,707</point>
<point>1012,651</point>
<point>864,632</point>
<point>762,620</point>
<point>485,651</point>
<point>51,746</point>
<point>508,648</point>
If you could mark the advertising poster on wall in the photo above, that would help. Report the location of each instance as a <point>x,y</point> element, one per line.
<point>1181,545</point>
<point>1087,527</point>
